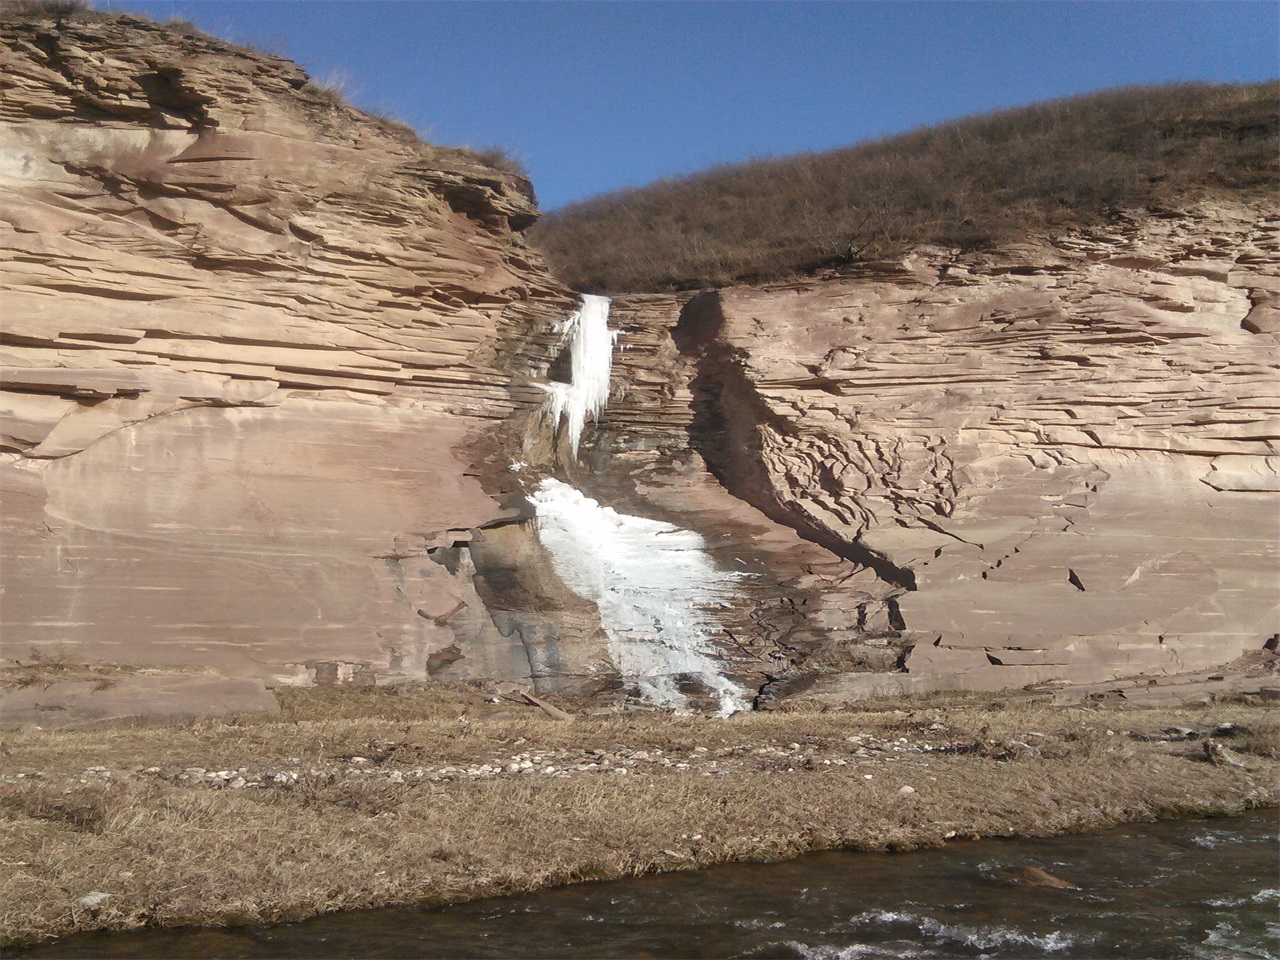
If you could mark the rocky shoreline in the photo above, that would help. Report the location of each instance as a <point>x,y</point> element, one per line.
<point>860,751</point>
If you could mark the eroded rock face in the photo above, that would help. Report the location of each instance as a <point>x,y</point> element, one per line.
<point>1059,462</point>
<point>266,362</point>
<point>257,348</point>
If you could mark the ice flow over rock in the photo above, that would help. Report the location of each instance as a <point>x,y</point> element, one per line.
<point>652,582</point>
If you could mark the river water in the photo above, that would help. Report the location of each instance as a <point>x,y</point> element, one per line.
<point>1192,888</point>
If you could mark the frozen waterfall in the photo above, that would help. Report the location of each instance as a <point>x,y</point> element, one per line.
<point>591,353</point>
<point>653,584</point>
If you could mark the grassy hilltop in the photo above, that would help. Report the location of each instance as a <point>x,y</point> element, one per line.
<point>966,184</point>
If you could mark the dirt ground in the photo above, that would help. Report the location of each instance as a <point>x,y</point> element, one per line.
<point>351,798</point>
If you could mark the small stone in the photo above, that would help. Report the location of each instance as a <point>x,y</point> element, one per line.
<point>93,900</point>
<point>1217,753</point>
<point>1016,748</point>
<point>906,790</point>
<point>236,783</point>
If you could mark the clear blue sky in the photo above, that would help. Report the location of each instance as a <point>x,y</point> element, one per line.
<point>594,96</point>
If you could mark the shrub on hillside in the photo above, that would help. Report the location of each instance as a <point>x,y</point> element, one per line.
<point>966,184</point>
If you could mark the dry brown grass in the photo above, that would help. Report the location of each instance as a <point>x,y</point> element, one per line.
<point>174,851</point>
<point>51,9</point>
<point>43,668</point>
<point>85,12</point>
<point>967,184</point>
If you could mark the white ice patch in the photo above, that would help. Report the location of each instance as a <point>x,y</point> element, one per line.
<point>590,343</point>
<point>653,584</point>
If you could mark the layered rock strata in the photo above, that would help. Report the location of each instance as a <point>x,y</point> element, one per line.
<point>257,348</point>
<point>1059,461</point>
<point>267,362</point>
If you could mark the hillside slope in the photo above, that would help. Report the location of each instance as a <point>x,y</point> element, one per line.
<point>971,184</point>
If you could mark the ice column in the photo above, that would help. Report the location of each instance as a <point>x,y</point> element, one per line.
<point>591,350</point>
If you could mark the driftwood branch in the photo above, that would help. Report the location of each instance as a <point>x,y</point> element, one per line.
<point>555,713</point>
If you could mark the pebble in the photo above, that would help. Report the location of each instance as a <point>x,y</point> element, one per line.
<point>92,900</point>
<point>817,754</point>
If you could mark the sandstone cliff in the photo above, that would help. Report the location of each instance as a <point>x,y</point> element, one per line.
<point>1056,463</point>
<point>257,346</point>
<point>268,362</point>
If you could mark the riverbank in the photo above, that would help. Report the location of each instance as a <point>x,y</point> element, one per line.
<point>352,798</point>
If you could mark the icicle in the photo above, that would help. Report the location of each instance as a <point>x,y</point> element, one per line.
<point>652,583</point>
<point>587,392</point>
